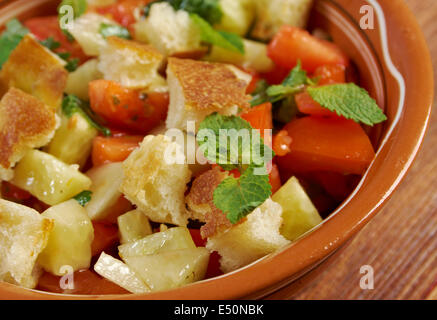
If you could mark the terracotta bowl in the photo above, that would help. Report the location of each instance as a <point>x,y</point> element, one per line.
<point>395,67</point>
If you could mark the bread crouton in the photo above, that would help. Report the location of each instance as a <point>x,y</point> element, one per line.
<point>199,88</point>
<point>154,184</point>
<point>273,14</point>
<point>36,70</point>
<point>170,31</point>
<point>25,123</point>
<point>131,64</point>
<point>250,240</point>
<point>23,235</point>
<point>86,31</point>
<point>200,202</point>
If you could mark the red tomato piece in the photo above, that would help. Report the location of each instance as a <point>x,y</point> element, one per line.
<point>123,11</point>
<point>113,149</point>
<point>126,108</point>
<point>327,144</point>
<point>9,191</point>
<point>331,74</point>
<point>277,75</point>
<point>293,44</point>
<point>105,235</point>
<point>307,105</point>
<point>282,143</point>
<point>213,266</point>
<point>260,117</point>
<point>46,27</point>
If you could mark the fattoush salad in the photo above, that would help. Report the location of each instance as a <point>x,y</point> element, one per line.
<point>146,145</point>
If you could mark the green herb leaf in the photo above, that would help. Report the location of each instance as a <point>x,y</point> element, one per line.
<point>83,198</point>
<point>239,197</point>
<point>10,39</point>
<point>108,30</point>
<point>297,76</point>
<point>209,10</point>
<point>50,43</point>
<point>228,41</point>
<point>79,7</point>
<point>72,104</point>
<point>232,143</point>
<point>349,101</point>
<point>259,96</point>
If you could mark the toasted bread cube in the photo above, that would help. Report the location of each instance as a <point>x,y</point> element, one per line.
<point>169,31</point>
<point>200,198</point>
<point>106,181</point>
<point>131,64</point>
<point>166,240</point>
<point>73,140</point>
<point>70,240</point>
<point>271,15</point>
<point>133,225</point>
<point>299,213</point>
<point>34,69</point>
<point>199,88</point>
<point>116,271</point>
<point>23,235</point>
<point>78,80</point>
<point>86,31</point>
<point>238,16</point>
<point>25,123</point>
<point>155,180</point>
<point>170,269</point>
<point>255,56</point>
<point>250,240</point>
<point>49,179</point>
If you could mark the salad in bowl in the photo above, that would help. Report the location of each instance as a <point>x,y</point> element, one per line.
<point>146,145</point>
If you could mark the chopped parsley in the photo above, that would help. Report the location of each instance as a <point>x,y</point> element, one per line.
<point>83,198</point>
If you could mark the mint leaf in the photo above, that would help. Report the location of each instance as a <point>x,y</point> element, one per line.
<point>232,143</point>
<point>79,7</point>
<point>239,197</point>
<point>220,39</point>
<point>297,77</point>
<point>83,198</point>
<point>349,101</point>
<point>10,39</point>
<point>108,30</point>
<point>72,64</point>
<point>209,10</point>
<point>72,104</point>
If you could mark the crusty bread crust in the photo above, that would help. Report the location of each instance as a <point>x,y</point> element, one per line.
<point>23,235</point>
<point>25,123</point>
<point>207,85</point>
<point>36,70</point>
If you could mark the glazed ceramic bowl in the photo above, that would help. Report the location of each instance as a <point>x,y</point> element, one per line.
<point>394,65</point>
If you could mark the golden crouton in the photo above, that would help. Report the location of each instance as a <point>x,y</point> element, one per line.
<point>36,70</point>
<point>250,240</point>
<point>23,235</point>
<point>273,14</point>
<point>25,123</point>
<point>155,180</point>
<point>132,64</point>
<point>200,202</point>
<point>199,88</point>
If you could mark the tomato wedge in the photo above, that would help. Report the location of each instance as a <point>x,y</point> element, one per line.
<point>113,149</point>
<point>126,108</point>
<point>326,144</point>
<point>331,74</point>
<point>293,44</point>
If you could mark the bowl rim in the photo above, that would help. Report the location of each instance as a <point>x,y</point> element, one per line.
<point>325,239</point>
